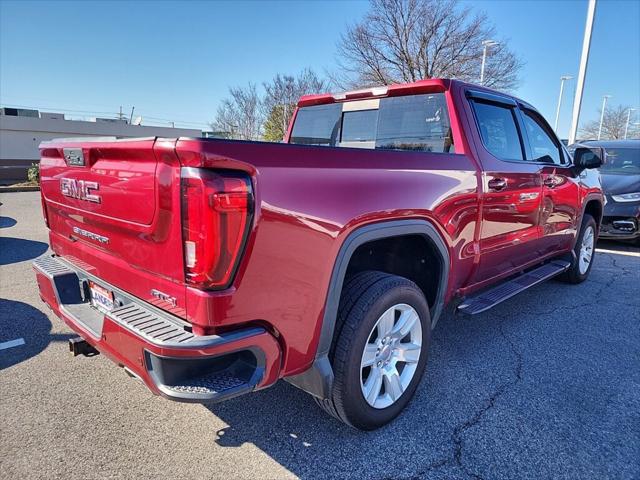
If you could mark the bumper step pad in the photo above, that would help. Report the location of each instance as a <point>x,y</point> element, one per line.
<point>216,383</point>
<point>492,297</point>
<point>191,379</point>
<point>149,325</point>
<point>156,327</point>
<point>67,284</point>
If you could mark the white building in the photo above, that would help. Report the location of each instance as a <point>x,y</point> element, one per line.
<point>21,131</point>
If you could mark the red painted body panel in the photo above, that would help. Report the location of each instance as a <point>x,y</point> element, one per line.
<point>307,201</point>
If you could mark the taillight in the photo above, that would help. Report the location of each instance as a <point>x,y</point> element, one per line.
<point>216,213</point>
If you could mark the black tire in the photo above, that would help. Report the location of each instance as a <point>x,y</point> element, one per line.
<point>573,275</point>
<point>365,297</point>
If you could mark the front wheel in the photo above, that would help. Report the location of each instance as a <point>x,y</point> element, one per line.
<point>381,350</point>
<point>584,251</point>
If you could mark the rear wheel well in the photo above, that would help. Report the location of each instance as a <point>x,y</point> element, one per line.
<point>373,247</point>
<point>594,208</point>
<point>410,256</point>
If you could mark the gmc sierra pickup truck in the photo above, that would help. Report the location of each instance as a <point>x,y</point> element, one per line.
<point>210,268</point>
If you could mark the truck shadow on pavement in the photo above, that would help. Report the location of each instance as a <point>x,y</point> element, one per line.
<point>287,425</point>
<point>19,320</point>
<point>524,381</point>
<point>6,222</point>
<point>14,250</point>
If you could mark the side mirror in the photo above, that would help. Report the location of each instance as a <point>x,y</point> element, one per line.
<point>588,157</point>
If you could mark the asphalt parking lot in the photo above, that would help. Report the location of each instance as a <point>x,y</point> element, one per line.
<point>546,385</point>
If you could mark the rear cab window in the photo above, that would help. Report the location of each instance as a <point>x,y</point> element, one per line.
<point>317,125</point>
<point>359,123</point>
<point>418,122</point>
<point>412,122</point>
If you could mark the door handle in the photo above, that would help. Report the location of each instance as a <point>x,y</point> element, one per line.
<point>549,182</point>
<point>497,184</point>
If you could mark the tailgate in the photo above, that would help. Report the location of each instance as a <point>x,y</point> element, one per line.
<point>113,206</point>
<point>115,180</point>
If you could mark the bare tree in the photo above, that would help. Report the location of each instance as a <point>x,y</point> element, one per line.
<point>408,40</point>
<point>614,123</point>
<point>281,96</point>
<point>240,115</point>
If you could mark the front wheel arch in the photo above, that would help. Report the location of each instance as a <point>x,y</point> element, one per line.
<point>593,206</point>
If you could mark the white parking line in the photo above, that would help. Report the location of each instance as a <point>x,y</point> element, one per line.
<point>618,252</point>
<point>12,343</point>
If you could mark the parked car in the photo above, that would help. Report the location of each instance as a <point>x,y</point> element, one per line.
<point>210,268</point>
<point>621,184</point>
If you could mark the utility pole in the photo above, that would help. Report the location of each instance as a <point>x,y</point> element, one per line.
<point>562,80</point>
<point>604,106</point>
<point>485,45</point>
<point>626,128</point>
<point>284,119</point>
<point>584,60</point>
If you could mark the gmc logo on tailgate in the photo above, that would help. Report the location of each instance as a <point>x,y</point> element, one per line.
<point>80,189</point>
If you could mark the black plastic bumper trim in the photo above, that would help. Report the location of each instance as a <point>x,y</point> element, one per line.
<point>206,379</point>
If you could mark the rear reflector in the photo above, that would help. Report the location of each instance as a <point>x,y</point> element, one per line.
<point>216,213</point>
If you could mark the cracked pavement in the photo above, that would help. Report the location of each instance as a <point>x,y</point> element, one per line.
<point>545,385</point>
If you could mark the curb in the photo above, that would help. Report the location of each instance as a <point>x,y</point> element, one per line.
<point>24,188</point>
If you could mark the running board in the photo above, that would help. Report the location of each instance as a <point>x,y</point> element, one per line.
<point>492,297</point>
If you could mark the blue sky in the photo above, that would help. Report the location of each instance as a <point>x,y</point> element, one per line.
<point>175,61</point>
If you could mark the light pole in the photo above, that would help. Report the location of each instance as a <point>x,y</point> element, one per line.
<point>604,106</point>
<point>562,80</point>
<point>485,45</point>
<point>582,72</point>
<point>626,128</point>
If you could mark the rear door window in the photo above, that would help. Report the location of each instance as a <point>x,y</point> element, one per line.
<point>497,125</point>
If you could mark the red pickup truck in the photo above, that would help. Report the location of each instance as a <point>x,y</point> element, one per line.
<point>210,268</point>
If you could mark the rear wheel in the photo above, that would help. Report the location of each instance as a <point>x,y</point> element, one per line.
<point>381,351</point>
<point>584,252</point>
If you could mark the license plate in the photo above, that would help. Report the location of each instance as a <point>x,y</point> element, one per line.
<point>101,298</point>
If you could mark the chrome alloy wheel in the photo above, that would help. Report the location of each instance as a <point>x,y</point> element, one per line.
<point>586,250</point>
<point>390,357</point>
